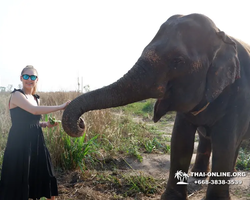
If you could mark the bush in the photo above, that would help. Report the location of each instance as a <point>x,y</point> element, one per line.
<point>148,107</point>
<point>243,161</point>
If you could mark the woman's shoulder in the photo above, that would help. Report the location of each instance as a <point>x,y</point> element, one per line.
<point>17,90</point>
<point>21,91</point>
<point>18,98</point>
<point>17,93</point>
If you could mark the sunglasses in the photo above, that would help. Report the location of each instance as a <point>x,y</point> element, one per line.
<point>26,77</point>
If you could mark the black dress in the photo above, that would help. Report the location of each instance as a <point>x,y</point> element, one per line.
<point>27,170</point>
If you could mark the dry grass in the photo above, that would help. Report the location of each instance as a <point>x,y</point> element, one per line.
<point>5,121</point>
<point>4,113</point>
<point>52,136</point>
<point>99,122</point>
<point>56,98</point>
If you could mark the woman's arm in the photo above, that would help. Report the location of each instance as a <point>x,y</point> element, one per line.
<point>19,100</point>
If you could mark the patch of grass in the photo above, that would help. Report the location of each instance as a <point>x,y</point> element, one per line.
<point>246,144</point>
<point>76,151</point>
<point>155,145</point>
<point>139,183</point>
<point>243,161</point>
<point>128,185</point>
<point>5,123</point>
<point>134,151</point>
<point>70,153</point>
<point>240,192</point>
<point>142,108</point>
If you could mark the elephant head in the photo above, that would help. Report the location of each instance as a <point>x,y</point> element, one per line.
<point>189,61</point>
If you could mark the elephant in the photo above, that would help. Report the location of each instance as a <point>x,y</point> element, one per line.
<point>202,73</point>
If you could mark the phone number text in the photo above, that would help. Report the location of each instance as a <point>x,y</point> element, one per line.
<point>218,182</point>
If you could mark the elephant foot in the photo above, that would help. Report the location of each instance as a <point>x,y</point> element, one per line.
<point>213,198</point>
<point>171,194</point>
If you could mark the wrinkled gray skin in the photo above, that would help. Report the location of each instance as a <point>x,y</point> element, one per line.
<point>188,64</point>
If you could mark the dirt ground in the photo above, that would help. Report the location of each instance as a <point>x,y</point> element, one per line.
<point>73,187</point>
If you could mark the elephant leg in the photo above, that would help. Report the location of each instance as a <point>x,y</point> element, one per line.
<point>223,138</point>
<point>201,163</point>
<point>235,157</point>
<point>182,144</point>
<point>240,140</point>
<point>203,155</point>
<point>221,162</point>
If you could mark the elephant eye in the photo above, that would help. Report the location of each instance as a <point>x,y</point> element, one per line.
<point>178,60</point>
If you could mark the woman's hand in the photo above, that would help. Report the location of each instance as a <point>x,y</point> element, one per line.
<point>49,125</point>
<point>63,106</point>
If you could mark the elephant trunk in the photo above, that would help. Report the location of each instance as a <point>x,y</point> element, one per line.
<point>134,86</point>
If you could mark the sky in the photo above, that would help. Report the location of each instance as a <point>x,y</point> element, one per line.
<point>96,42</point>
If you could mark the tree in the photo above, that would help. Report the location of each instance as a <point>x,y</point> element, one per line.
<point>9,88</point>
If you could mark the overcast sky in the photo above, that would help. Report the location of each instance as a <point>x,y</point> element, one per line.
<point>97,41</point>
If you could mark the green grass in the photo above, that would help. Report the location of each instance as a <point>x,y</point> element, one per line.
<point>140,183</point>
<point>143,108</point>
<point>127,184</point>
<point>154,145</point>
<point>243,161</point>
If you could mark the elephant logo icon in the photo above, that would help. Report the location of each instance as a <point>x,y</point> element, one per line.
<point>181,176</point>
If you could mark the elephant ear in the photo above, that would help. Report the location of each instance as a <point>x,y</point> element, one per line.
<point>224,68</point>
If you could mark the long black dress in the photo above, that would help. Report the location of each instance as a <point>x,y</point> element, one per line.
<point>27,170</point>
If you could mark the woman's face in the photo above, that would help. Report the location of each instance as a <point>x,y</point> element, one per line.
<point>29,83</point>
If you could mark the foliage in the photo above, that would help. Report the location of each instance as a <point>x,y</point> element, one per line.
<point>142,108</point>
<point>5,122</point>
<point>76,150</point>
<point>130,184</point>
<point>243,161</point>
<point>141,183</point>
<point>154,145</point>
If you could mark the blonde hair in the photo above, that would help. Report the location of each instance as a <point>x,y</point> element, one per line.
<point>32,68</point>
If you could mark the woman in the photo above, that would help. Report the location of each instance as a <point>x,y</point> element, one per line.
<point>27,171</point>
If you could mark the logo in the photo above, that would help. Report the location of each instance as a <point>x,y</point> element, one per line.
<point>181,176</point>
